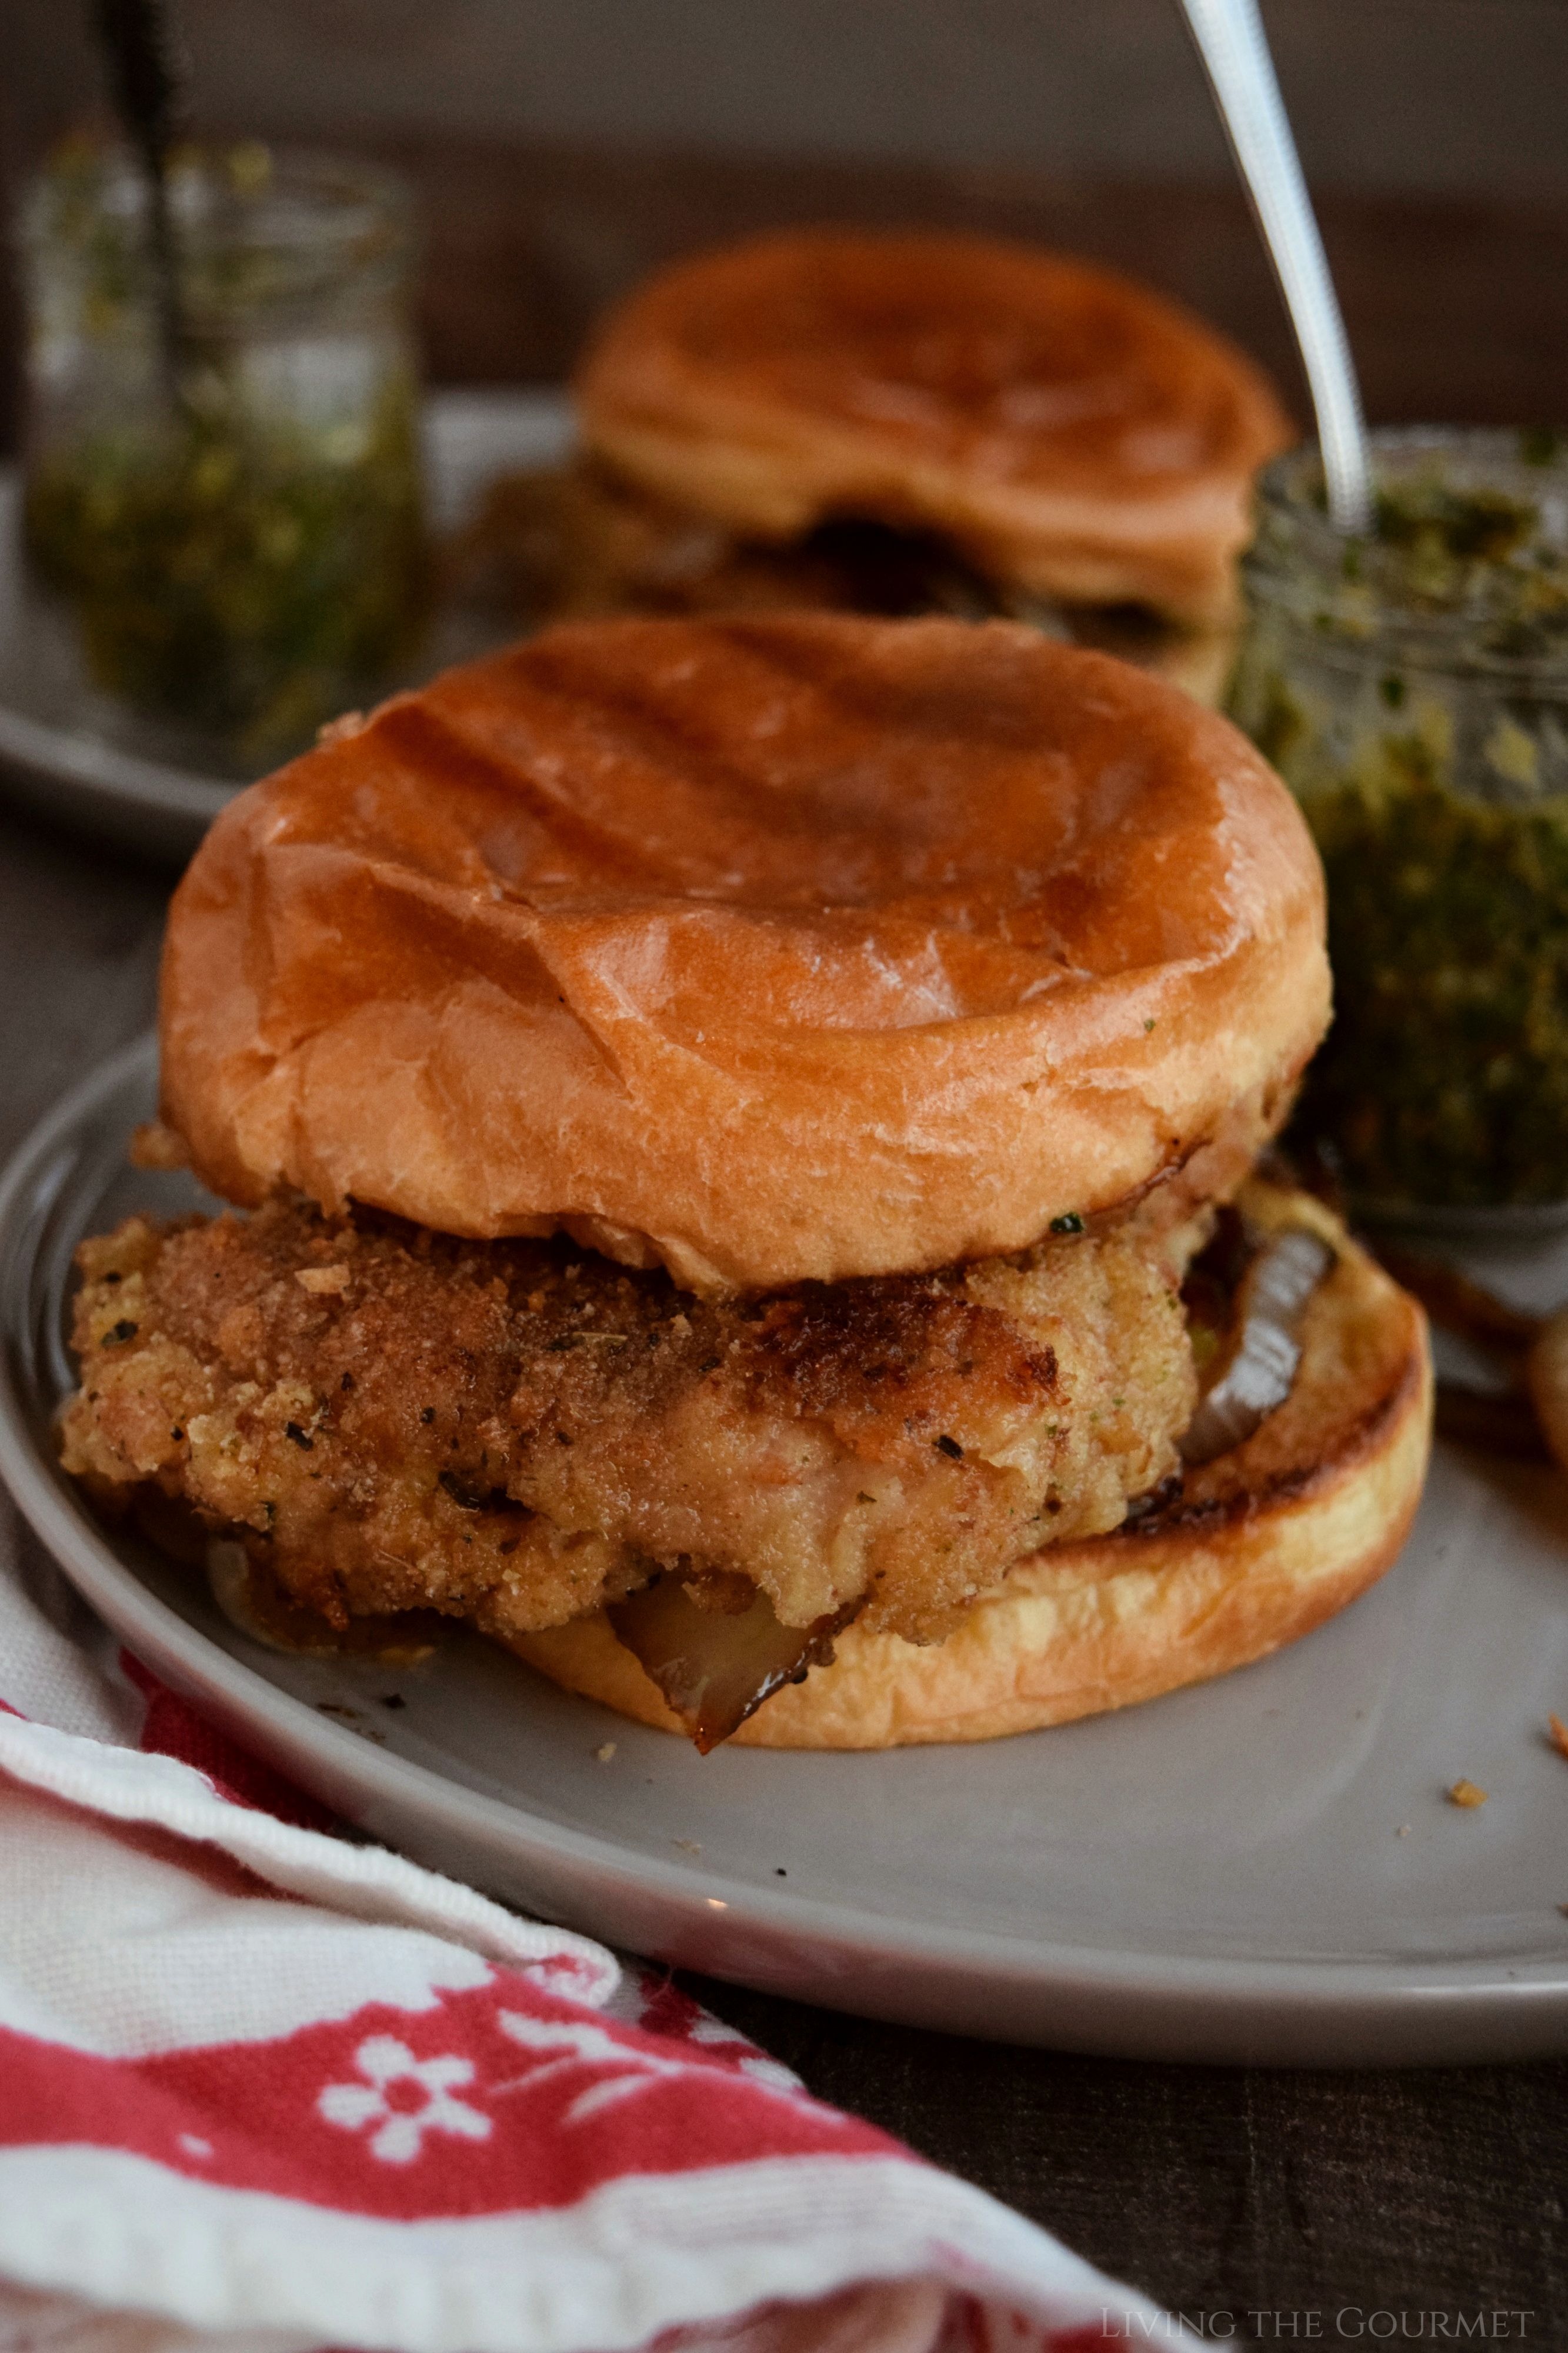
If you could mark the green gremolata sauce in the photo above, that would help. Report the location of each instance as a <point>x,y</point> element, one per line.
<point>237,576</point>
<point>239,529</point>
<point>1439,805</point>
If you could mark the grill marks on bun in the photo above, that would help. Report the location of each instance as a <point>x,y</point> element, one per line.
<point>790,949</point>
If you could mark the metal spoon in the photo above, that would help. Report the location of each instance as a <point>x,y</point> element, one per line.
<point>1229,38</point>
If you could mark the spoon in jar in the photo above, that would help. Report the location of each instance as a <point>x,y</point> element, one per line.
<point>145,73</point>
<point>1229,38</point>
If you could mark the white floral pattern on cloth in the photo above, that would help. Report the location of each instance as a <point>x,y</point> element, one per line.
<point>724,2043</point>
<point>648,1998</point>
<point>405,2098</point>
<point>622,2070</point>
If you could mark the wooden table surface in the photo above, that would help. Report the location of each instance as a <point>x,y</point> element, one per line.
<point>1281,2206</point>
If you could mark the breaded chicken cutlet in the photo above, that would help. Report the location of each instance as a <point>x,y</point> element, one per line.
<point>519,1432</point>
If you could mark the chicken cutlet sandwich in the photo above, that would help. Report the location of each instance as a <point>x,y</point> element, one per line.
<point>902,424</point>
<point>745,1133</point>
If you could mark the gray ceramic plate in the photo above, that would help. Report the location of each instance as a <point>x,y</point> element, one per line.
<point>71,753</point>
<point>1218,1875</point>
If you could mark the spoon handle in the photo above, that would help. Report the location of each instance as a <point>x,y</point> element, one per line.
<point>147,80</point>
<point>1229,38</point>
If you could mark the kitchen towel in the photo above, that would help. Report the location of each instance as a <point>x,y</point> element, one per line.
<point>265,2088</point>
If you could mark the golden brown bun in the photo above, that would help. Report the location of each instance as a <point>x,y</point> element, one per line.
<point>1075,435</point>
<point>801,946</point>
<point>1264,1545</point>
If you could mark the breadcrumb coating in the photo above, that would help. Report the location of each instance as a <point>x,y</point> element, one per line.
<point>518,1432</point>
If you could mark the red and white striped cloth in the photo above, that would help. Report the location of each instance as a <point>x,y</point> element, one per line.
<point>268,2090</point>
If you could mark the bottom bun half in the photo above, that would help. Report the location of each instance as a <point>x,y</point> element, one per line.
<point>1263,1544</point>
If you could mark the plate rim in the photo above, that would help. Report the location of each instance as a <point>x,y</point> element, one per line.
<point>1357,1991</point>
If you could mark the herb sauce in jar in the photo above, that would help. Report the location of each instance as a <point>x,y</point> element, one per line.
<point>236,525</point>
<point>1412,688</point>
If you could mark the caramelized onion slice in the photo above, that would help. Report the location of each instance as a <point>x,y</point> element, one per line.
<point>715,1667</point>
<point>1261,1366</point>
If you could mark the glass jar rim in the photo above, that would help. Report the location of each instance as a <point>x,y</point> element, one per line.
<point>1343,585</point>
<point>1292,484</point>
<point>313,216</point>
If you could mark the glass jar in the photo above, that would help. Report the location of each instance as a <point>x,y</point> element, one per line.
<point>1412,688</point>
<point>224,485</point>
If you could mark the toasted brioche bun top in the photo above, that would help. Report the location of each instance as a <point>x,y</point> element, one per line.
<point>804,947</point>
<point>1077,436</point>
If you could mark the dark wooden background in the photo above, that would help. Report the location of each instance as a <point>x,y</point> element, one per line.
<point>1457,305</point>
<point>1229,2192</point>
<point>1232,2190</point>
